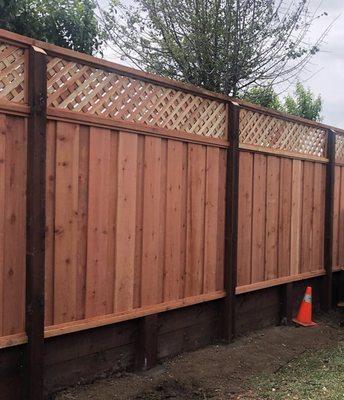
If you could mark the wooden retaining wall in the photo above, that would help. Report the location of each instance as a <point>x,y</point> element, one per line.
<point>159,196</point>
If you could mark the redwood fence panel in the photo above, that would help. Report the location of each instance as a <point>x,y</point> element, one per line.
<point>282,182</point>
<point>132,221</point>
<point>137,189</point>
<point>13,150</point>
<point>338,216</point>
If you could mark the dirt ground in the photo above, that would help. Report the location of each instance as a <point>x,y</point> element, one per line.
<point>219,371</point>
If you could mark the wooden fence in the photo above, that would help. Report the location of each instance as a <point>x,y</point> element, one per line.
<point>135,193</point>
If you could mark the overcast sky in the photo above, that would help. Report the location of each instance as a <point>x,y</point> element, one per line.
<point>325,72</point>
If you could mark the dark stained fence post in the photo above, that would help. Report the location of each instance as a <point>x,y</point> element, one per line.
<point>35,225</point>
<point>146,354</point>
<point>231,233</point>
<point>326,290</point>
<point>286,303</point>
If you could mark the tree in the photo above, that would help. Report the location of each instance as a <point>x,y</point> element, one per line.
<point>223,45</point>
<point>304,104</point>
<point>263,96</point>
<point>67,23</point>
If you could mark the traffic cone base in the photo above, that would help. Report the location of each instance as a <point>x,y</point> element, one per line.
<point>304,316</point>
<point>304,323</point>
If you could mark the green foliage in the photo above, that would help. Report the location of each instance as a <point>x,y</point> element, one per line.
<point>304,104</point>
<point>223,45</point>
<point>67,23</point>
<point>263,96</point>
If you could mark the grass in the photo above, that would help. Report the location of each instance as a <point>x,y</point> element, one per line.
<point>315,375</point>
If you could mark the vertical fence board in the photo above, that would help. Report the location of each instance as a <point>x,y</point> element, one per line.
<point>341,221</point>
<point>151,222</point>
<point>211,221</point>
<point>195,224</point>
<point>296,211</point>
<point>83,182</point>
<point>272,217</point>
<point>162,224</point>
<point>139,221</point>
<point>183,233</point>
<point>15,221</point>
<point>317,261</point>
<point>284,218</point>
<point>307,206</point>
<point>258,218</point>
<point>111,223</point>
<point>126,220</point>
<point>50,222</point>
<point>245,202</point>
<point>66,222</point>
<point>174,209</point>
<point>98,208</point>
<point>2,212</point>
<point>336,215</point>
<point>221,220</point>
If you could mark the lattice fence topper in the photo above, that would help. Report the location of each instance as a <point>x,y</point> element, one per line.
<point>267,131</point>
<point>339,147</point>
<point>12,72</point>
<point>85,89</point>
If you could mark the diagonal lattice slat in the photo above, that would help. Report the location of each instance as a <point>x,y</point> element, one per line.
<point>85,89</point>
<point>267,131</point>
<point>339,147</point>
<point>12,72</point>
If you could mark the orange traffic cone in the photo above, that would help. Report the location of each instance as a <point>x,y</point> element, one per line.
<point>304,316</point>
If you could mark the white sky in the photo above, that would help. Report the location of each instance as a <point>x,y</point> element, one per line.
<point>325,72</point>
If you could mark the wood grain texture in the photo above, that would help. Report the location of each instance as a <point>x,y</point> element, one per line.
<point>174,221</point>
<point>272,217</point>
<point>336,215</point>
<point>284,220</point>
<point>126,219</point>
<point>317,261</point>
<point>281,219</point>
<point>15,222</point>
<point>151,223</point>
<point>221,220</point>
<point>66,222</point>
<point>245,218</point>
<point>341,222</point>
<point>307,208</point>
<point>50,222</point>
<point>132,221</point>
<point>211,221</point>
<point>258,218</point>
<point>83,187</point>
<point>195,220</point>
<point>2,211</point>
<point>98,232</point>
<point>296,211</point>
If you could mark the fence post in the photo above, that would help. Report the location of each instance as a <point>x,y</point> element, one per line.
<point>286,303</point>
<point>146,354</point>
<point>35,228</point>
<point>231,220</point>
<point>326,289</point>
